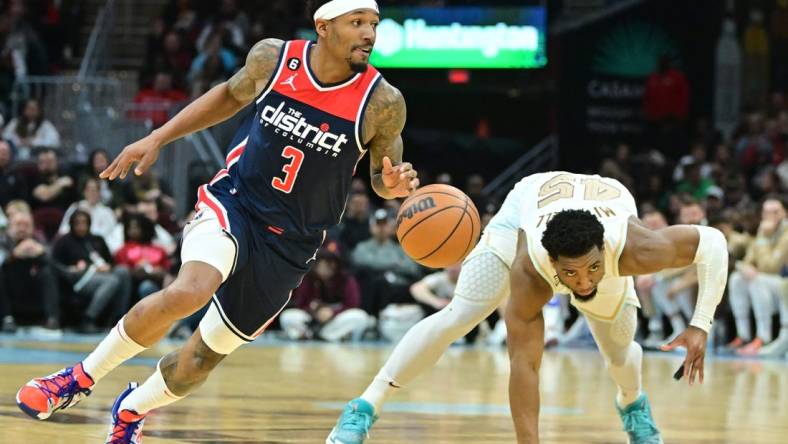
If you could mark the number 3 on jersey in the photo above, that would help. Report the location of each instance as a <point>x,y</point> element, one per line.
<point>290,169</point>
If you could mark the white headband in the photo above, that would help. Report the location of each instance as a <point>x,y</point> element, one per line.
<point>335,8</point>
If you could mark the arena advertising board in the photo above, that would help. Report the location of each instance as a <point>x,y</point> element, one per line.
<point>461,37</point>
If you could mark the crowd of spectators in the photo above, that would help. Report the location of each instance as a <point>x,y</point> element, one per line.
<point>76,250</point>
<point>37,37</point>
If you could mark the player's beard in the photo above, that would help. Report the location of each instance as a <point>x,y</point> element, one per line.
<point>585,298</point>
<point>358,67</point>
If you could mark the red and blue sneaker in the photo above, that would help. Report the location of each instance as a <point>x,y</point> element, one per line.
<point>41,397</point>
<point>126,426</point>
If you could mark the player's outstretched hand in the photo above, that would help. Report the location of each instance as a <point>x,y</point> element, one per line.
<point>400,180</point>
<point>143,152</point>
<point>694,340</point>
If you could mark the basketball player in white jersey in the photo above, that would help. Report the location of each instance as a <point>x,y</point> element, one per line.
<point>595,238</point>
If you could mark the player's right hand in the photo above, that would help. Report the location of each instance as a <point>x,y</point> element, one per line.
<point>143,152</point>
<point>694,340</point>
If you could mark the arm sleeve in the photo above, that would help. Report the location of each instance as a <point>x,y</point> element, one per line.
<point>711,258</point>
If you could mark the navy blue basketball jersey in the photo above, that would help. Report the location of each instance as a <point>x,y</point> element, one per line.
<point>291,163</point>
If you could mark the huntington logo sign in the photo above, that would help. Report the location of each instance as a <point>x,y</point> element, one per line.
<point>416,34</point>
<point>418,42</point>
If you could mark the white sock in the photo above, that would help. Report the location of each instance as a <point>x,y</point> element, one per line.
<point>150,395</point>
<point>115,348</point>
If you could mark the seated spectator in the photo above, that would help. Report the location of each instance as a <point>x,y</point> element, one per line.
<point>154,104</point>
<point>753,148</point>
<point>52,193</point>
<point>167,51</point>
<point>149,263</point>
<point>31,288</point>
<point>234,36</point>
<point>102,217</point>
<point>20,206</point>
<point>738,241</point>
<point>161,237</point>
<point>12,185</point>
<point>435,290</point>
<point>98,161</point>
<point>164,223</point>
<point>31,130</point>
<point>757,283</point>
<point>697,156</point>
<point>610,168</point>
<point>474,188</point>
<point>383,269</point>
<point>693,182</point>
<point>354,227</point>
<point>715,199</point>
<point>212,65</point>
<point>181,16</point>
<point>147,187</point>
<point>85,263</point>
<point>326,304</point>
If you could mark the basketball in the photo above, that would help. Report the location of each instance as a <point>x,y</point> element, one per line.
<point>438,225</point>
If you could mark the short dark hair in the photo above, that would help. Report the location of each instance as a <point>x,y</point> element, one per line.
<point>687,200</point>
<point>573,233</point>
<point>147,227</point>
<point>79,212</point>
<point>45,150</point>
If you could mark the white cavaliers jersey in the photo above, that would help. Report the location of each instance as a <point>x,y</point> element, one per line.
<point>545,194</point>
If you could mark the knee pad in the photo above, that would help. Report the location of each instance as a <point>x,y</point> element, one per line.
<point>623,330</point>
<point>216,334</point>
<point>484,279</point>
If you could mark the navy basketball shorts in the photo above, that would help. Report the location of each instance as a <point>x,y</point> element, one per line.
<point>259,270</point>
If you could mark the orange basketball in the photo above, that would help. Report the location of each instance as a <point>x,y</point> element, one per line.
<point>438,225</point>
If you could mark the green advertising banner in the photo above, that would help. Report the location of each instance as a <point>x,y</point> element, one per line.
<point>462,37</point>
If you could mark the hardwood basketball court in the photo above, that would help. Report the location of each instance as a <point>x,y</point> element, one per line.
<point>276,392</point>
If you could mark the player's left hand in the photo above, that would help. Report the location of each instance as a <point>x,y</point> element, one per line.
<point>400,180</point>
<point>694,340</point>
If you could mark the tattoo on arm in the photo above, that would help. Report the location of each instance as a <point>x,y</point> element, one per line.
<point>384,121</point>
<point>260,65</point>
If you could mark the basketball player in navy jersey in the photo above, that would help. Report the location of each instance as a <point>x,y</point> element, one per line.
<point>318,108</point>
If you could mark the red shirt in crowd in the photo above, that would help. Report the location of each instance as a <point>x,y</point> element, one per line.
<point>133,254</point>
<point>159,102</point>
